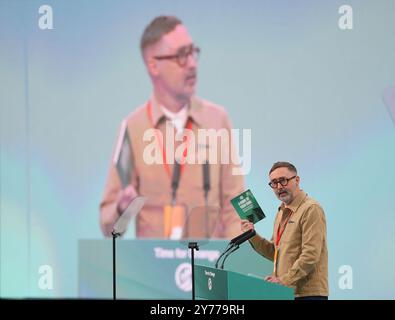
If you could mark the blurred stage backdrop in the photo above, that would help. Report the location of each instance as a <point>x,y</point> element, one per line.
<point>312,93</point>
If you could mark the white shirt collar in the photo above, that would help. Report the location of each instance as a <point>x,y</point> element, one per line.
<point>177,119</point>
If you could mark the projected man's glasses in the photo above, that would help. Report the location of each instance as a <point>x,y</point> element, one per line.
<point>182,55</point>
<point>282,181</point>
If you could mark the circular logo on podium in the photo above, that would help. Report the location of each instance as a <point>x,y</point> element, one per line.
<point>183,277</point>
<point>210,284</point>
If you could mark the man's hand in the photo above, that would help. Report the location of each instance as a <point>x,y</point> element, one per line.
<point>246,225</point>
<point>127,195</point>
<point>273,279</point>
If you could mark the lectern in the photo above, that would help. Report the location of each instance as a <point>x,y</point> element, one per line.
<point>217,284</point>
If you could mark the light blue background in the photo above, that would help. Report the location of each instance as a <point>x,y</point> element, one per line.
<point>310,92</point>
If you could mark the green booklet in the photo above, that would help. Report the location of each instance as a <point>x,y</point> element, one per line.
<point>123,157</point>
<point>247,207</point>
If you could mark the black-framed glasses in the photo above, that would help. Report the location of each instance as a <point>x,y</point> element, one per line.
<point>181,57</point>
<point>282,181</point>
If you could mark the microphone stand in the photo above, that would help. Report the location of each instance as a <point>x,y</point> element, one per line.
<point>206,213</point>
<point>114,270</point>
<point>119,228</point>
<point>227,255</point>
<point>230,246</point>
<point>233,245</point>
<point>193,246</point>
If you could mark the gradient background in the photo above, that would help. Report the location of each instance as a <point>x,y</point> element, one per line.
<point>310,92</point>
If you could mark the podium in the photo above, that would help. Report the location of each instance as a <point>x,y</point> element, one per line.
<point>218,284</point>
<point>154,268</point>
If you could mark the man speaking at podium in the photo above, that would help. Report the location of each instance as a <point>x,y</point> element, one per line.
<point>298,247</point>
<point>171,57</point>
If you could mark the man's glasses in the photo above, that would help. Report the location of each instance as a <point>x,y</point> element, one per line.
<point>282,181</point>
<point>182,55</point>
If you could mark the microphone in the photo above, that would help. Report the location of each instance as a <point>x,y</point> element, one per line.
<point>234,244</point>
<point>206,188</point>
<point>206,177</point>
<point>175,181</point>
<point>243,237</point>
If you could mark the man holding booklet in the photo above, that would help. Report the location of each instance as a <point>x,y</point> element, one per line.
<point>298,247</point>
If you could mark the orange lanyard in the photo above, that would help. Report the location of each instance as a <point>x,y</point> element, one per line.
<point>159,138</point>
<point>280,230</point>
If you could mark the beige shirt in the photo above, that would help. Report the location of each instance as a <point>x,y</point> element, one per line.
<point>153,181</point>
<point>302,260</point>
